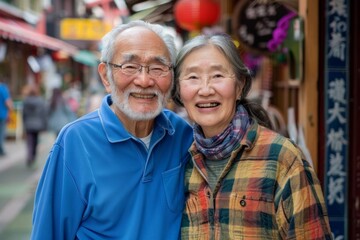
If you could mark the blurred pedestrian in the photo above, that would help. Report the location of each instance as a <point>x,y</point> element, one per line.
<point>73,96</point>
<point>94,101</point>
<point>60,112</point>
<point>34,120</point>
<point>6,106</point>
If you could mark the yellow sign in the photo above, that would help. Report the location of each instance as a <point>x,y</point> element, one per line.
<point>14,126</point>
<point>83,29</point>
<point>12,122</point>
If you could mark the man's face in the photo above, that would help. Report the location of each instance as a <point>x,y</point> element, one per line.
<point>139,96</point>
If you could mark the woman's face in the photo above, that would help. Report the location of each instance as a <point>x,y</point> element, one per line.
<point>208,89</point>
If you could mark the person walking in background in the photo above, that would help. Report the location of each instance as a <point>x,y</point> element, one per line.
<point>6,106</point>
<point>93,101</point>
<point>118,172</point>
<point>34,116</point>
<point>245,181</point>
<point>60,112</point>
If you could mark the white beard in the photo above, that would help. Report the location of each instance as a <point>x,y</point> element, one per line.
<point>120,101</point>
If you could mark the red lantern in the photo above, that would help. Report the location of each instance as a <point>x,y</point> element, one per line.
<point>195,14</point>
<point>60,55</point>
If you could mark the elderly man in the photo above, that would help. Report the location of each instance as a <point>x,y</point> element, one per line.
<point>117,172</point>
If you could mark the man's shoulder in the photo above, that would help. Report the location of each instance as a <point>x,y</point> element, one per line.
<point>174,118</point>
<point>172,114</point>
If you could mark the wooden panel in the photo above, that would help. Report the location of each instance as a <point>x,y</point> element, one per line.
<point>308,97</point>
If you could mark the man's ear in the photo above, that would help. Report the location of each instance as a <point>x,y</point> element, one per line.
<point>102,69</point>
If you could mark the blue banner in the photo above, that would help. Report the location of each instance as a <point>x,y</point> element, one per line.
<point>337,115</point>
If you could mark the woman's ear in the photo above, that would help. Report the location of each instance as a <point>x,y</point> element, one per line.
<point>239,89</point>
<point>102,70</point>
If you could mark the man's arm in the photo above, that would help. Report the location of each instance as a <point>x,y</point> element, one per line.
<point>58,208</point>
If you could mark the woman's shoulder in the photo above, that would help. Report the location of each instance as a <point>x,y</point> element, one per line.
<point>264,140</point>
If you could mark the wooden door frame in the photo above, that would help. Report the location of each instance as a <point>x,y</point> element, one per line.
<point>308,94</point>
<point>354,133</point>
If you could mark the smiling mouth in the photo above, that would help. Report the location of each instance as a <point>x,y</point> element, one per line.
<point>207,105</point>
<point>143,96</point>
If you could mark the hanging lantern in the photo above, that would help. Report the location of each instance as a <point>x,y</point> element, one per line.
<point>60,55</point>
<point>193,15</point>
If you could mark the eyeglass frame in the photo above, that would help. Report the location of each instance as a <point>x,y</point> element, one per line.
<point>139,70</point>
<point>208,80</point>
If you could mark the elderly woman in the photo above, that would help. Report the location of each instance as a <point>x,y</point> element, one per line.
<point>245,181</point>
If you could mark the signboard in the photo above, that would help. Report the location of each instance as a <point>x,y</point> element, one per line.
<point>337,115</point>
<point>83,29</point>
<point>14,126</point>
<point>254,22</point>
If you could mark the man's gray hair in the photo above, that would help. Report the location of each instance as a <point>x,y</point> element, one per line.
<point>108,41</point>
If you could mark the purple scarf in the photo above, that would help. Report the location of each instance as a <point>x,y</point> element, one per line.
<point>220,146</point>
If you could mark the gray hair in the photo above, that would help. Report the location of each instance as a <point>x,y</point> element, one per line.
<point>108,41</point>
<point>225,44</point>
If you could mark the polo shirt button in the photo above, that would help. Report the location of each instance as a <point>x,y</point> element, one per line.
<point>243,203</point>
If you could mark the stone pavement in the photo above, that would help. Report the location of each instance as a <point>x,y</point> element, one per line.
<point>17,186</point>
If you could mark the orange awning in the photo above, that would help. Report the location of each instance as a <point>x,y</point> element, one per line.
<point>22,32</point>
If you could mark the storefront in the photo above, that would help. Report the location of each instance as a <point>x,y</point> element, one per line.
<point>314,85</point>
<point>26,57</point>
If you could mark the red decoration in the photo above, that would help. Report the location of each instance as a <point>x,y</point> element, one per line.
<point>193,15</point>
<point>60,55</point>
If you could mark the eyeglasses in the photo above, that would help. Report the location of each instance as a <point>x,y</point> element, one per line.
<point>154,70</point>
<point>214,80</point>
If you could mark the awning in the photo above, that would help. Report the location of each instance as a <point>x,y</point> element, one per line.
<point>87,58</point>
<point>22,32</point>
<point>160,12</point>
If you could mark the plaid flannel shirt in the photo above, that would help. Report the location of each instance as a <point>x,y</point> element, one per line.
<point>266,191</point>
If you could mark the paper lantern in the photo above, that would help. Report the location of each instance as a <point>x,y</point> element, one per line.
<point>60,55</point>
<point>193,15</point>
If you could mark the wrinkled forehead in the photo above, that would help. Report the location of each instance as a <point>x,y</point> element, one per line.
<point>130,57</point>
<point>141,44</point>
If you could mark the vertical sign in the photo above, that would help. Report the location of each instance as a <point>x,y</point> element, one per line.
<point>337,114</point>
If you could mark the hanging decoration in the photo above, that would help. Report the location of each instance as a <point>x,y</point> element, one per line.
<point>280,32</point>
<point>261,26</point>
<point>193,15</point>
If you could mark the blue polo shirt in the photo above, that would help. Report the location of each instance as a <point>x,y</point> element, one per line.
<point>100,182</point>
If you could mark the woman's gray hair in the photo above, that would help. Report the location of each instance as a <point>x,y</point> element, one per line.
<point>108,41</point>
<point>242,74</point>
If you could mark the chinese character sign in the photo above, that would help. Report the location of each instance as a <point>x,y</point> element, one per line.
<point>336,114</point>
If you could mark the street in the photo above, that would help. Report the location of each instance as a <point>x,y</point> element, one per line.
<point>17,186</point>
